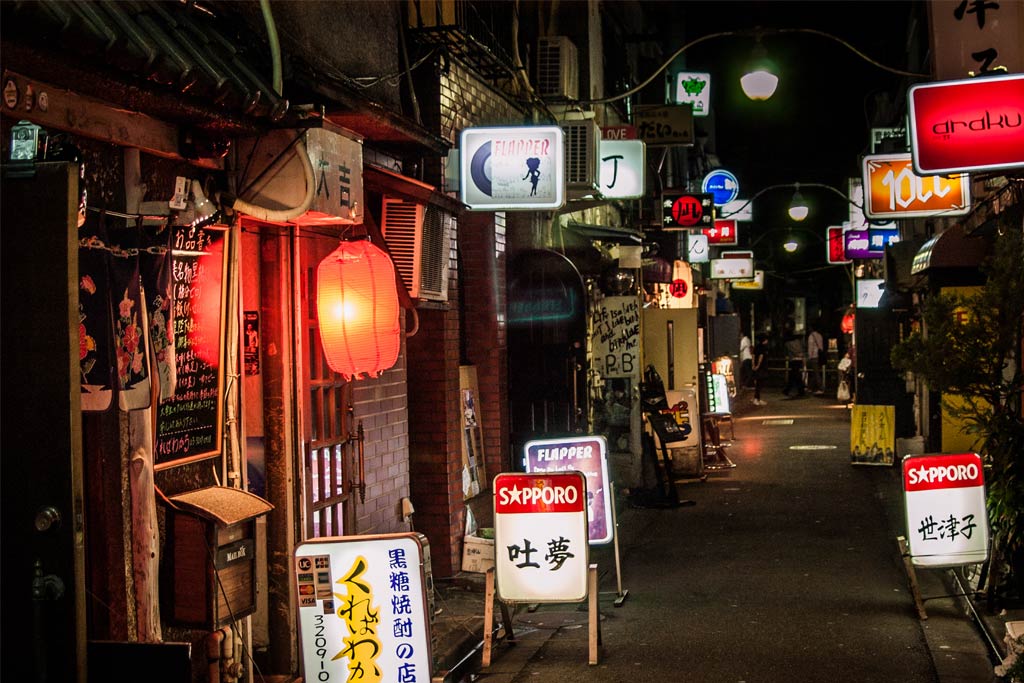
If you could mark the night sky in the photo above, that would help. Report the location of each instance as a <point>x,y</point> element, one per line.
<point>815,127</point>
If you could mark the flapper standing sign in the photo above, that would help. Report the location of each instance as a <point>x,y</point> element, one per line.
<point>514,167</point>
<point>541,553</point>
<point>947,522</point>
<point>363,609</point>
<point>586,454</point>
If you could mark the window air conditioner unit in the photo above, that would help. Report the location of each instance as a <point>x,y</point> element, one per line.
<point>418,239</point>
<point>582,155</point>
<point>558,73</point>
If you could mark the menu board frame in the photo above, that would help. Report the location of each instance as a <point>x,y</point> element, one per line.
<point>189,244</point>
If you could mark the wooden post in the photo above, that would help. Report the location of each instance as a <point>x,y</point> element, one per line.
<point>595,621</point>
<point>488,618</point>
<point>912,577</point>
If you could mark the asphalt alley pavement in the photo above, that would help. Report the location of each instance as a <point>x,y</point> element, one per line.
<point>785,568</point>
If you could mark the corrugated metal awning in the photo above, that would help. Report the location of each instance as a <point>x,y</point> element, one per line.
<point>950,249</point>
<point>606,233</point>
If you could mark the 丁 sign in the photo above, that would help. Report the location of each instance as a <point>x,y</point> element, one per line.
<point>947,523</point>
<point>541,553</point>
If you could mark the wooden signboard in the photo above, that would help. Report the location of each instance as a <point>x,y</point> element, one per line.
<point>189,424</point>
<point>474,470</point>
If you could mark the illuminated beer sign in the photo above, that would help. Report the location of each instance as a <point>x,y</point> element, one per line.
<point>947,521</point>
<point>967,125</point>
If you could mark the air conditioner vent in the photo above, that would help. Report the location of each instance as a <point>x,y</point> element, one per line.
<point>582,140</point>
<point>417,238</point>
<point>557,68</point>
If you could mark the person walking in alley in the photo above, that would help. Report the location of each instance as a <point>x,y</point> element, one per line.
<point>794,366</point>
<point>815,352</point>
<point>758,366</point>
<point>746,361</point>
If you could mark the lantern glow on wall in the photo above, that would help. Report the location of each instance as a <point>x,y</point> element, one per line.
<point>357,308</point>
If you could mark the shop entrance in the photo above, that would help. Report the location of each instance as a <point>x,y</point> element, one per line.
<point>546,349</point>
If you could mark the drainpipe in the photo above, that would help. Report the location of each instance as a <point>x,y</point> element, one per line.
<point>214,646</point>
<point>224,656</point>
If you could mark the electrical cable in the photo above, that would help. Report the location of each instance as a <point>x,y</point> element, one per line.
<point>755,33</point>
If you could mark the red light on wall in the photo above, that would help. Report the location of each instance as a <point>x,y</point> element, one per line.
<point>357,309</point>
<point>968,125</point>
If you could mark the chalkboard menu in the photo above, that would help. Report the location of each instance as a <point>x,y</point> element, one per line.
<point>189,424</point>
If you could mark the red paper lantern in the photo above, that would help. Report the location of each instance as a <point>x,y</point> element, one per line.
<point>357,308</point>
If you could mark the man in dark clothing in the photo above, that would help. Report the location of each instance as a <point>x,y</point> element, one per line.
<point>794,366</point>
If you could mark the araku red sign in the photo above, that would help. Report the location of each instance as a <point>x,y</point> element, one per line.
<point>968,125</point>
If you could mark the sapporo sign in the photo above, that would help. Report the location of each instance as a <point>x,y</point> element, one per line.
<point>541,553</point>
<point>586,454</point>
<point>512,168</point>
<point>947,522</point>
<point>968,125</point>
<point>363,608</point>
<point>893,190</point>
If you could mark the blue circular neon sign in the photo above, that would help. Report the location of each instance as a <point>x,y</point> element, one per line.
<point>721,185</point>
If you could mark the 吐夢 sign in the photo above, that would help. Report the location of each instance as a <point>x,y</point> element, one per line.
<point>510,168</point>
<point>541,553</point>
<point>947,522</point>
<point>967,125</point>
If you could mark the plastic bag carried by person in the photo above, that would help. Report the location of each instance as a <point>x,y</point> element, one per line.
<point>843,393</point>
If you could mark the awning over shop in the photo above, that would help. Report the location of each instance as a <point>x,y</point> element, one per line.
<point>950,249</point>
<point>393,184</point>
<point>606,233</point>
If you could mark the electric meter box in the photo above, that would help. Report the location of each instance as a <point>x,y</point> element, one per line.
<point>210,571</point>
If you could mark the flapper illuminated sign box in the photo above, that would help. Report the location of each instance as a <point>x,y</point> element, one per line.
<point>968,125</point>
<point>510,168</point>
<point>893,190</point>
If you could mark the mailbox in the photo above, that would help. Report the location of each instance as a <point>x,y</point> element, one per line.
<point>210,566</point>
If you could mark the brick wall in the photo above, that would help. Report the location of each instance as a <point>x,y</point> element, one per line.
<point>382,406</point>
<point>456,100</point>
<point>434,432</point>
<point>482,246</point>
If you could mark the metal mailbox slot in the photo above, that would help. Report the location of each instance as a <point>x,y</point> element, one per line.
<point>210,573</point>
